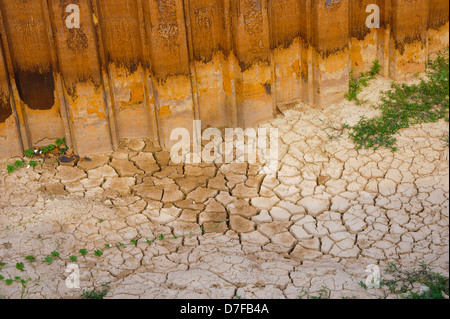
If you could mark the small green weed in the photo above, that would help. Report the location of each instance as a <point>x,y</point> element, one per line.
<point>356,83</point>
<point>402,282</point>
<point>60,145</point>
<point>96,294</point>
<point>324,293</point>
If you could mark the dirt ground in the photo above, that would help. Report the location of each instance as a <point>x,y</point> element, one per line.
<point>328,213</point>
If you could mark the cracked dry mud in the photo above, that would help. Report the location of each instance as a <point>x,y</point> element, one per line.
<point>330,211</point>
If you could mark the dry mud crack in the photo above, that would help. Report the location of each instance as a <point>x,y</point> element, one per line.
<point>328,213</point>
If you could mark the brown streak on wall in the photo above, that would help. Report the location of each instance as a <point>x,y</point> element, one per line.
<point>140,68</point>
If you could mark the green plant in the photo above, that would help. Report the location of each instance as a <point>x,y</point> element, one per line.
<point>356,83</point>
<point>98,253</point>
<point>324,293</point>
<point>25,291</point>
<point>83,252</point>
<point>33,163</point>
<point>30,258</point>
<point>340,131</point>
<point>405,105</point>
<point>363,285</point>
<point>30,153</point>
<point>445,139</point>
<point>402,282</point>
<point>96,294</point>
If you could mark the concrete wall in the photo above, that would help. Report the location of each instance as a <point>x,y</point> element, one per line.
<point>139,68</point>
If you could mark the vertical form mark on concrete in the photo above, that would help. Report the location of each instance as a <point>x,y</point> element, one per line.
<point>252,48</point>
<point>123,45</point>
<point>15,98</point>
<point>285,20</point>
<point>106,77</point>
<point>192,62</point>
<point>59,87</point>
<point>366,43</point>
<point>31,71</point>
<point>148,79</point>
<point>10,140</point>
<point>229,65</point>
<point>330,50</point>
<point>170,66</point>
<point>210,53</point>
<point>79,64</point>
<point>410,20</point>
<point>438,35</point>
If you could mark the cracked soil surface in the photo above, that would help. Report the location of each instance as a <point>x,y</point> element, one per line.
<point>328,213</point>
